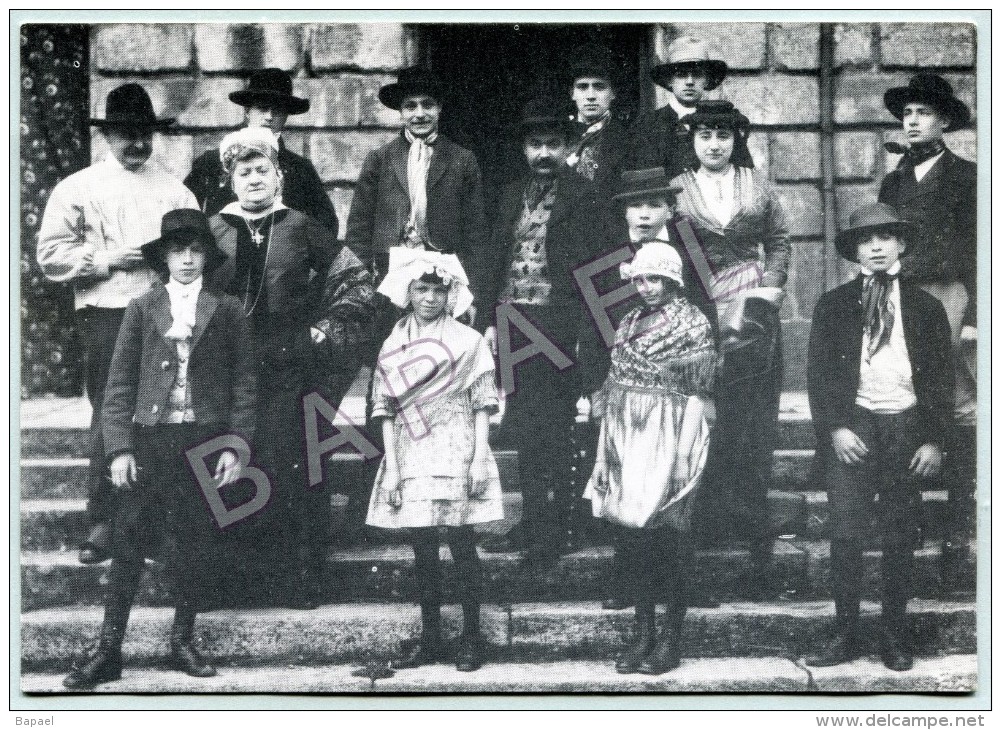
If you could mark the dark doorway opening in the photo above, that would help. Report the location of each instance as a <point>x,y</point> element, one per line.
<point>491,70</point>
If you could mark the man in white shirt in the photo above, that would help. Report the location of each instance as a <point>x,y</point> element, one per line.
<point>94,224</point>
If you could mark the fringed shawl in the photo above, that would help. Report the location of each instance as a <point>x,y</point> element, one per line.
<point>667,350</point>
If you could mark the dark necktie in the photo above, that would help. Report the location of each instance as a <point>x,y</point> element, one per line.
<point>916,153</point>
<point>878,312</point>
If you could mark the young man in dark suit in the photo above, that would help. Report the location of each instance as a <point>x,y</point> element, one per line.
<point>268,101</point>
<point>880,383</point>
<point>419,190</point>
<point>549,221</point>
<point>937,191</point>
<point>659,138</point>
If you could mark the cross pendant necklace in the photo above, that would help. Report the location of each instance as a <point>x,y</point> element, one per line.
<point>255,231</point>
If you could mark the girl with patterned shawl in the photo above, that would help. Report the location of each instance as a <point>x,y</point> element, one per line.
<point>652,447</point>
<point>434,391</point>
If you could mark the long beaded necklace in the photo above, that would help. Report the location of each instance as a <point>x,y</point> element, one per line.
<point>258,239</point>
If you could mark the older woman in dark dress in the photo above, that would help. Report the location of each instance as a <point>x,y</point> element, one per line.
<point>309,300</point>
<point>736,217</point>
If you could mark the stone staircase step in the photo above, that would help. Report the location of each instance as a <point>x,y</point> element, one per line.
<point>57,427</point>
<point>59,523</point>
<point>385,573</point>
<point>363,632</point>
<point>956,674</point>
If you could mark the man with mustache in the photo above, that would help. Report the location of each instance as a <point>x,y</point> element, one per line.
<point>94,224</point>
<point>268,101</point>
<point>549,222</point>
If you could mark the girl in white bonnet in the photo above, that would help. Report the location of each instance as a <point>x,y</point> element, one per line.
<point>434,391</point>
<point>652,447</point>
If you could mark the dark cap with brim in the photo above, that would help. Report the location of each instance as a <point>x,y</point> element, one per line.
<point>649,183</point>
<point>129,106</point>
<point>865,220</point>
<point>932,90</point>
<point>183,225</point>
<point>271,88</point>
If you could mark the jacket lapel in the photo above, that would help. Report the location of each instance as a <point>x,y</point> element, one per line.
<point>160,309</point>
<point>398,158</point>
<point>225,236</point>
<point>853,324</point>
<point>208,302</point>
<point>440,158</point>
<point>912,188</point>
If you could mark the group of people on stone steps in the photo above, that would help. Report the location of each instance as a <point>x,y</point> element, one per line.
<point>215,308</point>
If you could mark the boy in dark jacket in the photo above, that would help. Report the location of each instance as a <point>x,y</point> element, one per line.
<point>182,375</point>
<point>880,383</point>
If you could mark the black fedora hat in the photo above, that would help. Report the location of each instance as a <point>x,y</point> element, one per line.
<point>271,87</point>
<point>411,82</point>
<point>183,224</point>
<point>546,112</point>
<point>932,90</point>
<point>689,51</point>
<point>645,183</point>
<point>718,114</point>
<point>595,61</point>
<point>864,220</point>
<point>129,106</point>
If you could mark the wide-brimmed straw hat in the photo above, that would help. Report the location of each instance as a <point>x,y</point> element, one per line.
<point>129,106</point>
<point>272,88</point>
<point>932,90</point>
<point>688,51</point>
<point>654,259</point>
<point>864,220</point>
<point>182,225</point>
<point>411,81</point>
<point>407,265</point>
<point>644,184</point>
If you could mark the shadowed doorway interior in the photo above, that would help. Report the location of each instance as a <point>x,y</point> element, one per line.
<point>491,70</point>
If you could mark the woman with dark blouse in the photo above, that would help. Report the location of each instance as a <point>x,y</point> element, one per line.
<point>309,300</point>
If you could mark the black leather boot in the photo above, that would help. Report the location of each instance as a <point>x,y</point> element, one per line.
<point>105,664</point>
<point>667,654</point>
<point>183,654</point>
<point>630,659</point>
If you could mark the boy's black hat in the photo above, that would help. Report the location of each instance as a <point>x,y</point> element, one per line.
<point>864,220</point>
<point>645,184</point>
<point>933,90</point>
<point>183,225</point>
<point>411,82</point>
<point>271,87</point>
<point>129,106</point>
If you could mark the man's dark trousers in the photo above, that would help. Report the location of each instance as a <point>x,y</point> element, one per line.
<point>98,328</point>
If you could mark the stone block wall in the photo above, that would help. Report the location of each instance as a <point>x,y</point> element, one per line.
<point>190,70</point>
<point>775,81</point>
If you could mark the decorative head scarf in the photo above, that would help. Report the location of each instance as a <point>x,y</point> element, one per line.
<point>235,145</point>
<point>407,265</point>
<point>654,259</point>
